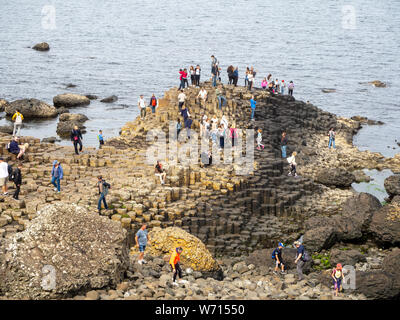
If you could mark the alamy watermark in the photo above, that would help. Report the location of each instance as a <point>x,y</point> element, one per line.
<point>49,17</point>
<point>349,17</point>
<point>349,277</point>
<point>49,278</point>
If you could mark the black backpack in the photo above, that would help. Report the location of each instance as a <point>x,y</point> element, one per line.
<point>106,186</point>
<point>10,172</point>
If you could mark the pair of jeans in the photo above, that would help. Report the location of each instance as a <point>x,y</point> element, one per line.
<point>331,142</point>
<point>102,198</point>
<point>250,84</point>
<point>221,101</point>
<point>252,113</point>
<point>300,265</point>
<point>214,80</point>
<point>182,85</point>
<point>197,78</point>
<point>180,105</point>
<point>142,112</point>
<point>283,148</point>
<point>291,92</point>
<point>221,142</point>
<point>17,128</point>
<point>17,189</point>
<point>76,142</point>
<point>56,182</point>
<point>153,109</point>
<point>178,271</point>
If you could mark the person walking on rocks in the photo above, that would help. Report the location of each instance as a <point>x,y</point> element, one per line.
<point>175,266</point>
<point>153,103</point>
<point>57,174</point>
<point>160,172</point>
<point>76,138</point>
<point>103,187</point>
<point>221,134</point>
<point>292,164</point>
<point>290,88</point>
<point>337,276</point>
<point>17,178</point>
<point>253,104</point>
<point>235,76</point>
<point>4,174</point>
<point>142,106</point>
<point>284,142</point>
<point>283,87</point>
<point>192,76</point>
<point>259,140</point>
<point>141,239</point>
<point>100,138</point>
<point>277,256</point>
<point>197,73</point>
<point>17,118</point>
<point>203,96</point>
<point>332,135</point>
<point>178,128</point>
<point>181,99</point>
<point>233,134</point>
<point>299,259</point>
<point>230,71</point>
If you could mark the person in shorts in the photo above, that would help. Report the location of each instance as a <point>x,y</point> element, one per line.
<point>277,255</point>
<point>4,174</point>
<point>141,239</point>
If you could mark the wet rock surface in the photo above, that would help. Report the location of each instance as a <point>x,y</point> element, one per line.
<point>70,100</point>
<point>31,108</point>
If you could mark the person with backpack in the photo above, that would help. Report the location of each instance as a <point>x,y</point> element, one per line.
<point>76,138</point>
<point>101,138</point>
<point>153,103</point>
<point>17,178</point>
<point>4,175</point>
<point>103,187</point>
<point>277,256</point>
<point>301,258</point>
<point>337,276</point>
<point>331,135</point>
<point>57,174</point>
<point>17,117</point>
<point>175,266</point>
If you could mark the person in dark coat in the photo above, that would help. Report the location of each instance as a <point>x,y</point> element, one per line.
<point>17,178</point>
<point>76,138</point>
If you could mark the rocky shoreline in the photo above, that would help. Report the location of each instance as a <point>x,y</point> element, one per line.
<point>235,216</point>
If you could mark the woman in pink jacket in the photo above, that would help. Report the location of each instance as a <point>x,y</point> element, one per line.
<point>233,134</point>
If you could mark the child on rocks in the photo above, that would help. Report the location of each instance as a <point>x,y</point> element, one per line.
<point>259,140</point>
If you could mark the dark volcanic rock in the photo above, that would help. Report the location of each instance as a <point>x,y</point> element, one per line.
<point>70,100</point>
<point>337,177</point>
<point>31,108</point>
<point>346,257</point>
<point>109,99</point>
<point>49,140</point>
<point>377,285</point>
<point>67,121</point>
<point>91,96</point>
<point>392,185</point>
<point>3,104</point>
<point>7,129</point>
<point>43,46</point>
<point>385,226</point>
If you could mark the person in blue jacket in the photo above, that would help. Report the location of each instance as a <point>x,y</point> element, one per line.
<point>253,107</point>
<point>56,175</point>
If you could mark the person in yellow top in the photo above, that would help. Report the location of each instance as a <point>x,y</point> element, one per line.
<point>17,117</point>
<point>174,263</point>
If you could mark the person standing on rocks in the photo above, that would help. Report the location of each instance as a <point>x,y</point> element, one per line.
<point>235,76</point>
<point>141,238</point>
<point>337,276</point>
<point>185,113</point>
<point>250,79</point>
<point>299,259</point>
<point>230,74</point>
<point>253,104</point>
<point>17,118</point>
<point>197,72</point>
<point>292,164</point>
<point>57,174</point>
<point>284,142</point>
<point>277,256</point>
<point>332,135</point>
<point>17,178</point>
<point>76,138</point>
<point>290,88</point>
<point>264,84</point>
<point>233,134</point>
<point>142,107</point>
<point>103,187</point>
<point>4,174</point>
<point>246,77</point>
<point>175,266</point>
<point>192,76</point>
<point>178,128</point>
<point>202,96</point>
<point>283,87</point>
<point>181,99</point>
<point>153,103</point>
<point>221,134</point>
<point>101,139</point>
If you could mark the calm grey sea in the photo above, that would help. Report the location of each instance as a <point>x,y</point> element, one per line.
<point>127,48</point>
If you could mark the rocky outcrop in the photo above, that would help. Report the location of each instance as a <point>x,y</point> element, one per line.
<point>9,129</point>
<point>91,96</point>
<point>392,185</point>
<point>195,254</point>
<point>378,83</point>
<point>346,257</point>
<point>70,100</point>
<point>67,121</point>
<point>31,108</point>
<point>109,99</point>
<point>43,46</point>
<point>385,226</point>
<point>81,251</point>
<point>3,104</point>
<point>337,177</point>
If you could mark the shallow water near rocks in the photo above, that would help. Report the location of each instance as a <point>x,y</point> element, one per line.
<point>130,48</point>
<point>376,185</point>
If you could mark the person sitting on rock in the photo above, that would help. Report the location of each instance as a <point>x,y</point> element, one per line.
<point>175,266</point>
<point>17,150</point>
<point>160,172</point>
<point>337,276</point>
<point>220,97</point>
<point>76,138</point>
<point>292,164</point>
<point>202,96</point>
<point>277,256</point>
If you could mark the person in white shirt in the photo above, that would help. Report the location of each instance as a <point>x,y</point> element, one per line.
<point>142,107</point>
<point>181,99</point>
<point>293,164</point>
<point>3,176</point>
<point>197,72</point>
<point>224,122</point>
<point>203,96</point>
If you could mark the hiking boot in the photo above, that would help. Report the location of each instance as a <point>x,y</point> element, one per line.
<point>175,284</point>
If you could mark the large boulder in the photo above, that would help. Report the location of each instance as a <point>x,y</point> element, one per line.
<point>385,226</point>
<point>346,257</point>
<point>391,265</point>
<point>67,121</point>
<point>336,177</point>
<point>376,285</point>
<point>9,129</point>
<point>64,251</point>
<point>70,100</point>
<point>195,255</point>
<point>31,108</point>
<point>3,104</point>
<point>392,185</point>
<point>110,99</point>
<point>43,46</point>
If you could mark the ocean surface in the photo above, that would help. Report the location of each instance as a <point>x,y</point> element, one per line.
<point>128,48</point>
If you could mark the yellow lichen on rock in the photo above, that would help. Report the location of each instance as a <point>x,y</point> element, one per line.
<point>195,254</point>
